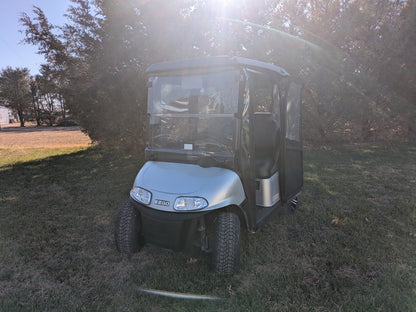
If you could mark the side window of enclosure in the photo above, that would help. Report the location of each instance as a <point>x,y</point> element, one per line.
<point>276,103</point>
<point>261,92</point>
<point>293,125</point>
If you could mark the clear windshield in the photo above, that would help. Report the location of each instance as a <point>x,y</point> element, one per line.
<point>193,113</point>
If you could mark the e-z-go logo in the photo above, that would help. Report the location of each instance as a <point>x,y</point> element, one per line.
<point>160,202</point>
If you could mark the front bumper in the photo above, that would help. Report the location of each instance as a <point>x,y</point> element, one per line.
<point>171,230</point>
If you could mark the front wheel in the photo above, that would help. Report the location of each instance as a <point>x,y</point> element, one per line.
<point>226,244</point>
<point>127,232</point>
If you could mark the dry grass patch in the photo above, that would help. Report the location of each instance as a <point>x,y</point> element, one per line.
<point>42,137</point>
<point>33,143</point>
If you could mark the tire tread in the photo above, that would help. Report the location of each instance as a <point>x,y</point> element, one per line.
<point>127,229</point>
<point>226,253</point>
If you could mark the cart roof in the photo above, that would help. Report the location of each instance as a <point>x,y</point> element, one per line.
<point>214,61</point>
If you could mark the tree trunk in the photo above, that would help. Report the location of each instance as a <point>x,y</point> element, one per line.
<point>21,118</point>
<point>411,129</point>
<point>365,129</point>
<point>36,110</point>
<point>63,106</point>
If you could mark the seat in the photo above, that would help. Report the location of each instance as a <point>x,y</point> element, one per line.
<point>266,131</point>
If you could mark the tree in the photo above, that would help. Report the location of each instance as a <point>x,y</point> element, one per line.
<point>96,61</point>
<point>50,99</point>
<point>15,91</point>
<point>35,99</point>
<point>355,57</point>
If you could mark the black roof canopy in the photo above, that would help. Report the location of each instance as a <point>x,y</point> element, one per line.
<point>210,62</point>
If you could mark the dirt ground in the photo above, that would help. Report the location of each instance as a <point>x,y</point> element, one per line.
<point>12,135</point>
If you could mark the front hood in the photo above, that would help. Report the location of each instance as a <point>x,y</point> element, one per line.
<point>167,181</point>
<point>174,178</point>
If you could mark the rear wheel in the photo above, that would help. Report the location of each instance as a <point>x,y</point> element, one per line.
<point>226,244</point>
<point>128,229</point>
<point>293,205</point>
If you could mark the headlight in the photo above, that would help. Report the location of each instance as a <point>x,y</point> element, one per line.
<point>141,195</point>
<point>189,203</point>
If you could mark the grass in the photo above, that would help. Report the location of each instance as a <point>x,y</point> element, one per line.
<point>12,155</point>
<point>351,246</point>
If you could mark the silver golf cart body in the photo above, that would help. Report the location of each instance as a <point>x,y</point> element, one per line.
<point>213,144</point>
<point>168,181</point>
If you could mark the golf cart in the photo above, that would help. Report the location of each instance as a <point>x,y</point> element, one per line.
<point>224,152</point>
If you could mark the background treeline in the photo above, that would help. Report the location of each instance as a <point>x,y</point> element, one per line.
<point>35,98</point>
<point>356,59</point>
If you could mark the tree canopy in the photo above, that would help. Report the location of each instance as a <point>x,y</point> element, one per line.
<point>355,57</point>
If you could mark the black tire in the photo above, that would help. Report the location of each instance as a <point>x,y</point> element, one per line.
<point>226,244</point>
<point>128,229</point>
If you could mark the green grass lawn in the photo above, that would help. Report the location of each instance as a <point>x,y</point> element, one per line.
<point>351,245</point>
<point>10,156</point>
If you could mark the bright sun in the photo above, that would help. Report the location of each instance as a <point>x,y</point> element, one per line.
<point>224,5</point>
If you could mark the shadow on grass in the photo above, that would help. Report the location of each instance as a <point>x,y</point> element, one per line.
<point>57,249</point>
<point>39,129</point>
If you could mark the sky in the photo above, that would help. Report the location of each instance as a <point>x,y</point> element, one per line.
<point>14,53</point>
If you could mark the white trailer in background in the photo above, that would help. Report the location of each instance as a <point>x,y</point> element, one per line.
<point>4,115</point>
